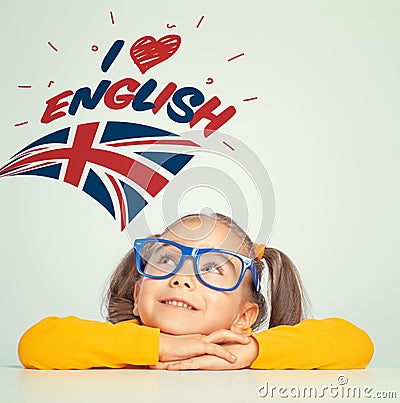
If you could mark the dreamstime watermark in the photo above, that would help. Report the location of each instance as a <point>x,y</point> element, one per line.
<point>339,390</point>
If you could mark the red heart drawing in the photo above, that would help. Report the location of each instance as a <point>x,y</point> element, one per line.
<point>147,52</point>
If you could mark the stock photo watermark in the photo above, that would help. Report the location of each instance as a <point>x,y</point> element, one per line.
<point>339,390</point>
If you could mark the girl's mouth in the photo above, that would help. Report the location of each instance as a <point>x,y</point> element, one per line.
<point>178,303</point>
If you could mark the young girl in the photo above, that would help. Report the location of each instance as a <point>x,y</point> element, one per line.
<point>189,298</point>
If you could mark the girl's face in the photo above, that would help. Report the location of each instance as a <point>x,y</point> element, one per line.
<point>181,304</point>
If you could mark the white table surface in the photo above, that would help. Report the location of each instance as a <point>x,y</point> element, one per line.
<point>141,385</point>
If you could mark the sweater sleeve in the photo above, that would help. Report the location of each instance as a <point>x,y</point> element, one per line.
<point>331,343</point>
<point>74,343</point>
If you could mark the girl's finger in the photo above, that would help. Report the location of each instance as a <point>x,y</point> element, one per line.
<point>203,362</point>
<point>190,363</point>
<point>219,351</point>
<point>227,336</point>
<point>160,365</point>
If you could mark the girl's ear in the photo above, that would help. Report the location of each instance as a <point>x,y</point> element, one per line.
<point>245,318</point>
<point>136,291</point>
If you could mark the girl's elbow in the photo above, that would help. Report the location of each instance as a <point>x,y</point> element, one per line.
<point>367,350</point>
<point>360,346</point>
<point>27,353</point>
<point>33,351</point>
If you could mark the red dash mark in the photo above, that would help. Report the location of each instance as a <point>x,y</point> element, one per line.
<point>250,99</point>
<point>20,124</point>
<point>171,26</point>
<point>201,19</point>
<point>52,46</point>
<point>235,57</point>
<point>95,48</point>
<point>209,80</point>
<point>228,145</point>
<point>24,86</point>
<point>112,17</point>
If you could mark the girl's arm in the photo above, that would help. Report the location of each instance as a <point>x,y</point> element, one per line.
<point>331,343</point>
<point>73,343</point>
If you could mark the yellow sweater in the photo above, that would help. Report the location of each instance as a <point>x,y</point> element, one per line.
<point>74,343</point>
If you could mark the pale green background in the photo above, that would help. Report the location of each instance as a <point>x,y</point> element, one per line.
<point>326,125</point>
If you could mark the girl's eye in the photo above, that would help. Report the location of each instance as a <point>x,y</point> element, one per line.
<point>166,260</point>
<point>212,268</point>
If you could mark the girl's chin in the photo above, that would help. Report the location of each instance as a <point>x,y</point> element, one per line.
<point>179,331</point>
<point>182,330</point>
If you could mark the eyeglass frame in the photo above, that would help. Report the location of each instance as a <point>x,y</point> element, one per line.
<point>195,253</point>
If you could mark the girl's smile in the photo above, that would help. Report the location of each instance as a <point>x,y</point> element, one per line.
<point>178,303</point>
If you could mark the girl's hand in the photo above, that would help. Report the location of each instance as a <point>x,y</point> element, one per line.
<point>245,353</point>
<point>181,348</point>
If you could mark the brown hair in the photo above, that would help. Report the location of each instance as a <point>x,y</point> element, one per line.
<point>288,298</point>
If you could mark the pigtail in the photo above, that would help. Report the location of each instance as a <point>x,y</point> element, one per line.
<point>119,299</point>
<point>288,299</point>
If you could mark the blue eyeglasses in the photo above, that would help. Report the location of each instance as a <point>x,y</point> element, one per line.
<point>219,269</point>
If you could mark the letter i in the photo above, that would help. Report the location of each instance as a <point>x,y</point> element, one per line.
<point>112,54</point>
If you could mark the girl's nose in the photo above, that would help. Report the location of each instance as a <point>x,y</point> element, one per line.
<point>178,281</point>
<point>185,277</point>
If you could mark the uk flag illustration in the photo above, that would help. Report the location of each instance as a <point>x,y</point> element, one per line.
<point>114,167</point>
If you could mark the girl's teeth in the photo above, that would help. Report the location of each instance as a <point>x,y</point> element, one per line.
<point>178,303</point>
